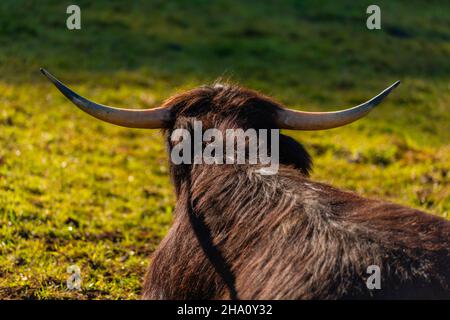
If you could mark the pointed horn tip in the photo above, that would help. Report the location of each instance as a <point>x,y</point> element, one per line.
<point>50,77</point>
<point>45,73</point>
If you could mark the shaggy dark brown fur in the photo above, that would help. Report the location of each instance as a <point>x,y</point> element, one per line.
<point>239,234</point>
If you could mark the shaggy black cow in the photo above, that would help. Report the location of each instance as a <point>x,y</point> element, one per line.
<point>240,234</point>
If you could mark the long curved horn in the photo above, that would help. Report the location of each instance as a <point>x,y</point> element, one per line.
<point>132,118</point>
<point>301,120</point>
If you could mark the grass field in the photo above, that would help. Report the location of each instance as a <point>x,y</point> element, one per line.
<point>76,191</point>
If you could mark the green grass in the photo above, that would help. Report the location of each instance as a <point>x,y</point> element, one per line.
<point>74,190</point>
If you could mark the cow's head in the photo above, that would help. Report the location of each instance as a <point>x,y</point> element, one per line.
<point>226,107</point>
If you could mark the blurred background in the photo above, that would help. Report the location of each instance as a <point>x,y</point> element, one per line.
<point>76,191</point>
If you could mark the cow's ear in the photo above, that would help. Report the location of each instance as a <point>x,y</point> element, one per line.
<point>293,153</point>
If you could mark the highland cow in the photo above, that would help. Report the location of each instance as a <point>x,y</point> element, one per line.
<point>238,234</point>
